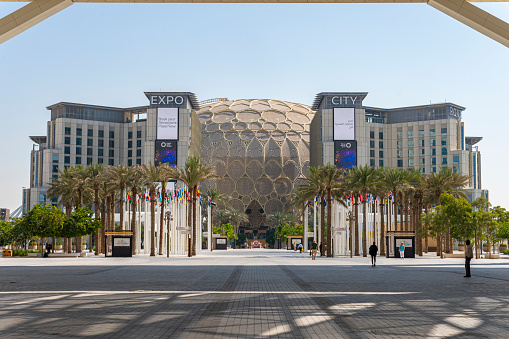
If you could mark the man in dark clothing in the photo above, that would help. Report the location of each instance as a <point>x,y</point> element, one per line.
<point>321,246</point>
<point>469,254</point>
<point>373,250</point>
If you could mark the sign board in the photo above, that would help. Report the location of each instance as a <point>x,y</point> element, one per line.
<point>122,242</point>
<point>167,123</point>
<point>345,153</point>
<point>216,235</point>
<point>183,228</point>
<point>165,152</point>
<point>344,123</point>
<point>310,234</point>
<point>185,232</point>
<point>205,234</point>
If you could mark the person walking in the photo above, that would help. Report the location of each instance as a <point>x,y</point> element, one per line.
<point>314,247</point>
<point>321,245</point>
<point>373,250</point>
<point>299,248</point>
<point>402,250</point>
<point>469,254</point>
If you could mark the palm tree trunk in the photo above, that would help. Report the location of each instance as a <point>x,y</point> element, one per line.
<point>329,223</point>
<point>322,226</point>
<point>121,207</point>
<point>194,197</point>
<point>190,222</point>
<point>104,220</point>
<point>364,222</point>
<point>161,218</point>
<point>97,211</point>
<point>395,205</point>
<point>133,220</point>
<point>152,222</point>
<point>382,229</point>
<point>356,226</point>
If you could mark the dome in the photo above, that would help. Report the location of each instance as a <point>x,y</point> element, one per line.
<point>260,150</point>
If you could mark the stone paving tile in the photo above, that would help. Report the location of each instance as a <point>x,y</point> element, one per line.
<point>252,294</point>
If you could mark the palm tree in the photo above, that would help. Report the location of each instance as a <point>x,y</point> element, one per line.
<point>381,191</point>
<point>395,182</point>
<point>135,184</point>
<point>222,217</point>
<point>80,184</point>
<point>151,177</point>
<point>165,177</point>
<point>236,218</point>
<point>119,175</point>
<point>217,198</point>
<point>95,176</point>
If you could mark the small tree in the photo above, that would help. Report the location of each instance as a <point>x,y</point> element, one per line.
<point>80,223</point>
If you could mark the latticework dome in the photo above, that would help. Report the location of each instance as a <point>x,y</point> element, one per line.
<point>260,149</point>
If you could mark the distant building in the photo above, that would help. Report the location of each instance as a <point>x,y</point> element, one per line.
<point>5,214</point>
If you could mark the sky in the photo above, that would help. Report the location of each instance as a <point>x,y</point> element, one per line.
<point>110,54</point>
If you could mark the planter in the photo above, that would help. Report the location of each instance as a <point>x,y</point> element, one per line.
<point>461,247</point>
<point>485,248</point>
<point>502,248</point>
<point>83,247</point>
<point>58,247</point>
<point>32,247</point>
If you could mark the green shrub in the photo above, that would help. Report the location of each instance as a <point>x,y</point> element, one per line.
<point>59,243</point>
<point>506,252</point>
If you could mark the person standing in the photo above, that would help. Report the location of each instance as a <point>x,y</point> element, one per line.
<point>373,250</point>
<point>321,245</point>
<point>402,250</point>
<point>469,254</point>
<point>314,247</point>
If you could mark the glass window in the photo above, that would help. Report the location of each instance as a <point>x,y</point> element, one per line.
<point>433,151</point>
<point>410,143</point>
<point>130,162</point>
<point>399,144</point>
<point>456,159</point>
<point>372,134</point>
<point>380,154</point>
<point>380,135</point>
<point>55,159</point>
<point>89,151</point>
<point>444,151</point>
<point>129,144</point>
<point>372,162</point>
<point>111,162</point>
<point>138,161</point>
<point>380,144</point>
<point>444,131</point>
<point>432,142</point>
<point>422,152</point>
<point>444,161</point>
<point>400,163</point>
<point>410,152</point>
<point>100,160</point>
<point>112,134</point>
<point>410,134</point>
<point>138,135</point>
<point>444,141</point>
<point>101,133</point>
<point>421,143</point>
<point>67,141</point>
<point>410,162</point>
<point>372,144</point>
<point>100,152</point>
<point>456,169</point>
<point>90,132</point>
<point>433,169</point>
<point>432,132</point>
<point>421,133</point>
<point>433,161</point>
<point>372,153</point>
<point>400,154</point>
<point>90,142</point>
<point>78,141</point>
<point>67,160</point>
<point>67,131</point>
<point>130,153</point>
<point>423,170</point>
<point>78,150</point>
<point>129,135</point>
<point>55,168</point>
<point>422,161</point>
<point>100,143</point>
<point>89,161</point>
<point>138,152</point>
<point>78,160</point>
<point>112,143</point>
<point>400,135</point>
<point>78,131</point>
<point>138,143</point>
<point>380,163</point>
<point>111,153</point>
<point>42,197</point>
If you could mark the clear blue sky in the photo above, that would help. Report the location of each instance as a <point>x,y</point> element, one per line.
<point>402,54</point>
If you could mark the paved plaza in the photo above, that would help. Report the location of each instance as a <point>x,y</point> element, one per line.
<point>252,294</point>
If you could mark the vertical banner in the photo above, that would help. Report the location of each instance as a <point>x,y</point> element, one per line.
<point>345,154</point>
<point>167,123</point>
<point>344,123</point>
<point>165,152</point>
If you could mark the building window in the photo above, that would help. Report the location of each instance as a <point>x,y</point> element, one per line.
<point>89,151</point>
<point>444,161</point>
<point>130,153</point>
<point>456,159</point>
<point>79,131</point>
<point>42,197</point>
<point>422,152</point>
<point>400,154</point>
<point>423,170</point>
<point>372,144</point>
<point>422,161</point>
<point>112,143</point>
<point>444,141</point>
<point>100,160</point>
<point>432,132</point>
<point>90,142</point>
<point>138,161</point>
<point>78,141</point>
<point>111,162</point>
<point>138,134</point>
<point>380,135</point>
<point>90,132</point>
<point>130,162</point>
<point>456,169</point>
<point>78,160</point>
<point>138,143</point>
<point>130,135</point>
<point>67,131</point>
<point>129,144</point>
<point>433,151</point>
<point>444,151</point>
<point>380,163</point>
<point>433,169</point>
<point>372,162</point>
<point>444,131</point>
<point>67,160</point>
<point>400,163</point>
<point>421,133</point>
<point>55,168</point>
<point>432,142</point>
<point>78,150</point>
<point>411,162</point>
<point>100,143</point>
<point>89,161</point>
<point>399,144</point>
<point>67,150</point>
<point>380,154</point>
<point>421,143</point>
<point>112,134</point>
<point>410,143</point>
<point>410,152</point>
<point>55,159</point>
<point>111,153</point>
<point>410,134</point>
<point>380,144</point>
<point>372,134</point>
<point>138,152</point>
<point>400,135</point>
<point>100,133</point>
<point>100,152</point>
<point>67,141</point>
<point>433,161</point>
